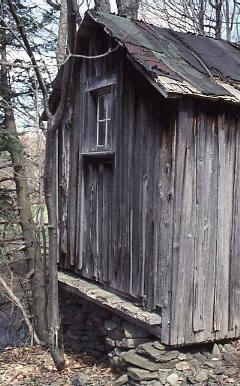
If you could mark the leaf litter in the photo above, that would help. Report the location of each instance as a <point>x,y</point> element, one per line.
<point>33,366</point>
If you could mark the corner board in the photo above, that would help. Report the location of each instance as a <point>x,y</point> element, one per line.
<point>119,306</point>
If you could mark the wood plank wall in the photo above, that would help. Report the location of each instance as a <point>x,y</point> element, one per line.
<point>206,218</point>
<point>160,223</point>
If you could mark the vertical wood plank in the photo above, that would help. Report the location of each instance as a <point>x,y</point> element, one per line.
<point>226,154</point>
<point>234,277</point>
<point>206,225</point>
<point>184,231</point>
<point>167,150</point>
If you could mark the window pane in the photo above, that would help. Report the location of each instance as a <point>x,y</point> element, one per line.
<point>102,107</point>
<point>101,133</point>
<point>108,102</point>
<point>108,132</point>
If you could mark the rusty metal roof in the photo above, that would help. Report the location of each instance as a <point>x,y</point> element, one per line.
<point>177,63</point>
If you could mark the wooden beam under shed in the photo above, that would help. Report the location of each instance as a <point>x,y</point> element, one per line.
<point>150,321</point>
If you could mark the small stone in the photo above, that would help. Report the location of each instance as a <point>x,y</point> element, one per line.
<point>162,375</point>
<point>201,376</point>
<point>228,347</point>
<point>110,325</point>
<point>168,356</point>
<point>191,379</point>
<point>137,360</point>
<point>210,364</point>
<point>182,366</point>
<point>155,354</point>
<point>168,365</point>
<point>162,381</point>
<point>121,381</point>
<point>200,357</point>
<point>231,358</point>
<point>110,342</point>
<point>220,378</point>
<point>159,346</point>
<point>131,382</point>
<point>118,362</point>
<point>141,375</point>
<point>118,350</point>
<point>172,379</point>
<point>231,371</point>
<point>212,376</point>
<point>195,364</point>
<point>76,382</point>
<point>214,357</point>
<point>216,349</point>
<point>182,357</point>
<point>133,331</point>
<point>219,370</point>
<point>117,333</point>
<point>131,343</point>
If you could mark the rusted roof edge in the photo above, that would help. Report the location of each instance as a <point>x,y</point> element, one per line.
<point>182,88</point>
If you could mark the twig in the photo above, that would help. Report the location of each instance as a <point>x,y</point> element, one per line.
<point>22,308</point>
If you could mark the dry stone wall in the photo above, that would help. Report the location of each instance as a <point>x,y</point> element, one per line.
<point>140,358</point>
<point>13,330</point>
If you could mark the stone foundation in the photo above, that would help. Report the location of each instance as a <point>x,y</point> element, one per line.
<point>139,357</point>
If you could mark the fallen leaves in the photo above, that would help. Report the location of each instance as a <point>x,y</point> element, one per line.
<point>33,366</point>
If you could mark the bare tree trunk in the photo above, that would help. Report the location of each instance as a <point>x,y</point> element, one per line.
<point>218,25</point>
<point>201,16</point>
<point>50,188</point>
<point>102,5</point>
<point>62,33</point>
<point>50,196</point>
<point>128,7</point>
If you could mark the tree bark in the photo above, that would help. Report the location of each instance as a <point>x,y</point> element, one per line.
<point>62,33</point>
<point>128,7</point>
<point>102,5</point>
<point>50,188</point>
<point>218,24</point>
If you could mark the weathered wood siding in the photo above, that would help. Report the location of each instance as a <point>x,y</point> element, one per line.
<point>158,221</point>
<point>206,280</point>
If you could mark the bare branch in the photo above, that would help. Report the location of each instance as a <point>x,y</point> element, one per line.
<point>54,5</point>
<point>22,308</point>
<point>30,53</point>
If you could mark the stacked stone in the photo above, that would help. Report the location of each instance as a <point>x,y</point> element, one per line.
<point>122,336</point>
<point>138,356</point>
<point>154,364</point>
<point>83,326</point>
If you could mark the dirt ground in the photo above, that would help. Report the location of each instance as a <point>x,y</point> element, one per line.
<point>32,366</point>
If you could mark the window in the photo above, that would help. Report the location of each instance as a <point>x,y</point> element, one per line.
<point>104,120</point>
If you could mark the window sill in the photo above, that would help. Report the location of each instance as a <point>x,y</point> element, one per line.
<point>98,156</point>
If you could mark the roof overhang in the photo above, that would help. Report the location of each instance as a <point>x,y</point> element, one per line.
<point>167,85</point>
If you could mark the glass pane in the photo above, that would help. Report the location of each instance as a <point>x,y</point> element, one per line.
<point>101,107</point>
<point>101,133</point>
<point>108,132</point>
<point>108,103</point>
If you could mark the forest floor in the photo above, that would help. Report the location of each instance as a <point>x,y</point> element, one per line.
<point>32,366</point>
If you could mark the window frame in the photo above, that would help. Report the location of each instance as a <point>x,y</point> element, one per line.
<point>95,87</point>
<point>107,119</point>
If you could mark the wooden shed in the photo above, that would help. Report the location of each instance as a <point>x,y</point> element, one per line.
<point>149,174</point>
